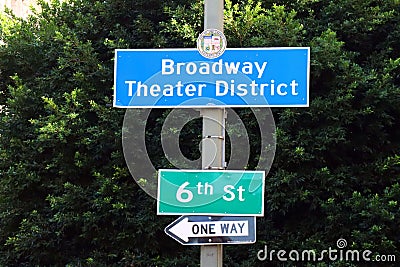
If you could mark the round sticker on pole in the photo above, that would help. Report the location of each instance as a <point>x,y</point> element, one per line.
<point>211,43</point>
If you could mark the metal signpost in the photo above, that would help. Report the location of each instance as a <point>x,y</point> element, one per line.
<point>219,206</point>
<point>213,146</point>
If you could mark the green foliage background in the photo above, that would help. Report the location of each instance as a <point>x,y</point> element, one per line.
<point>66,196</point>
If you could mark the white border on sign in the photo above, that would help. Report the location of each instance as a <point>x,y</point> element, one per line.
<point>210,213</point>
<point>178,239</point>
<point>213,105</point>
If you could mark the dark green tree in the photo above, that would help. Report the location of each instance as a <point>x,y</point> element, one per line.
<point>66,197</point>
<point>336,169</point>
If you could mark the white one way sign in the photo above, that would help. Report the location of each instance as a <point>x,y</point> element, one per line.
<point>200,230</point>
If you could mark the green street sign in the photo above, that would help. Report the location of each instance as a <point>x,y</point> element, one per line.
<point>205,192</point>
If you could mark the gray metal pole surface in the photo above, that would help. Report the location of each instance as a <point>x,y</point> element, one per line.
<point>213,145</point>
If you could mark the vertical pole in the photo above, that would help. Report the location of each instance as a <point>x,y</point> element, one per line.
<point>214,14</point>
<point>213,148</point>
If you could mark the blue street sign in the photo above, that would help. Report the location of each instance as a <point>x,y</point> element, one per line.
<point>250,77</point>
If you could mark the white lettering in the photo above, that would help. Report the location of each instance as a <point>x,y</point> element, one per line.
<point>262,86</point>
<point>260,252</point>
<point>167,66</point>
<point>242,88</point>
<point>204,68</point>
<point>168,90</point>
<point>281,253</point>
<point>261,69</point>
<point>232,87</point>
<point>178,67</point>
<point>130,93</point>
<point>253,86</point>
<point>232,67</point>
<point>247,68</point>
<point>141,86</point>
<point>218,86</point>
<point>217,67</point>
<point>190,89</point>
<point>191,68</point>
<point>155,90</point>
<point>294,85</point>
<point>179,88</point>
<point>227,189</point>
<point>200,91</point>
<point>241,190</point>
<point>278,89</point>
<point>272,87</point>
